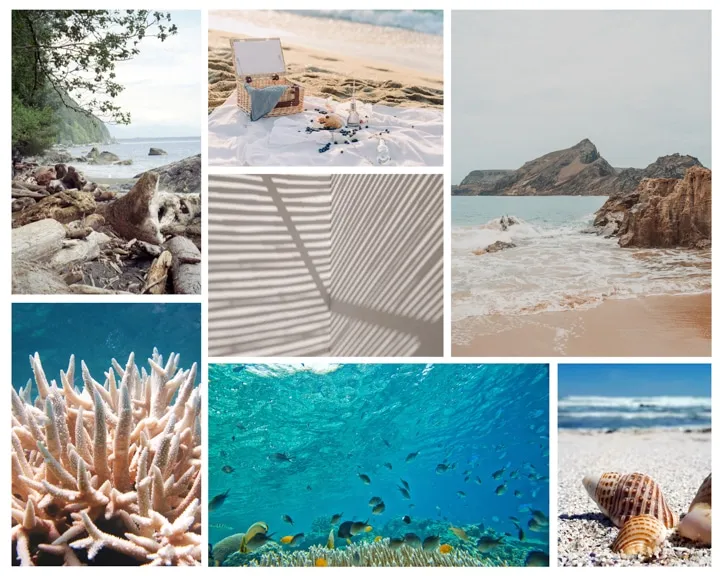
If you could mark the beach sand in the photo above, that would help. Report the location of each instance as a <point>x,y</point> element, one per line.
<point>648,326</point>
<point>390,66</point>
<point>678,460</point>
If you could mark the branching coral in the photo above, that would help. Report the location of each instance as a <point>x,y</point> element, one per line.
<point>112,469</point>
<point>362,554</point>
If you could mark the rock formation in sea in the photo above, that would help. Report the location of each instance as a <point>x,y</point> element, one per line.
<point>181,177</point>
<point>576,171</point>
<point>661,212</point>
<point>110,473</point>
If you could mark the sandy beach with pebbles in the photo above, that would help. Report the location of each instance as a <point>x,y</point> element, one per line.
<point>390,66</point>
<point>679,460</point>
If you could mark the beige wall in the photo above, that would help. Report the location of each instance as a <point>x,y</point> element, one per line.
<point>387,265</point>
<point>307,266</point>
<point>269,265</point>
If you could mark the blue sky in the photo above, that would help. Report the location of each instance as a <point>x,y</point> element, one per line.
<point>633,380</point>
<point>163,83</point>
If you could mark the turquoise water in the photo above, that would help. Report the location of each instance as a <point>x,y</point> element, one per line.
<point>96,333</point>
<point>426,21</point>
<point>137,151</point>
<point>556,264</point>
<point>336,422</point>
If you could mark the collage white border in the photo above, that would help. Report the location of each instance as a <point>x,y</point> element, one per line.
<point>448,6</point>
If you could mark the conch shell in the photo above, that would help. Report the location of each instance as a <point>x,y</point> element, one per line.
<point>622,496</point>
<point>697,523</point>
<point>641,535</point>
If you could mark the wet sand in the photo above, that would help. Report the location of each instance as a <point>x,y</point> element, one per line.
<point>389,66</point>
<point>678,460</point>
<point>649,326</point>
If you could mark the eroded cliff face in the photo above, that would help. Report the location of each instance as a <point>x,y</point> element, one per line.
<point>662,212</point>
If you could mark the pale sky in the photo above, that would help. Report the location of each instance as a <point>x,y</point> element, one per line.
<point>163,83</point>
<point>526,83</point>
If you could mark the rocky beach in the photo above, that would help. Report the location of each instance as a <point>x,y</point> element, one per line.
<point>594,277</point>
<point>677,459</point>
<point>73,235</point>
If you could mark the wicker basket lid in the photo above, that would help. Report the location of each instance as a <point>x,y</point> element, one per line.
<point>258,56</point>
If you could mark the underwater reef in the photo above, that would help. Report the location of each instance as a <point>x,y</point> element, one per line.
<point>109,475</point>
<point>373,550</point>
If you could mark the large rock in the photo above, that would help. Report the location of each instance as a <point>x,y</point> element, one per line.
<point>105,158</point>
<point>64,207</point>
<point>576,171</point>
<point>157,152</point>
<point>494,247</point>
<point>182,176</point>
<point>34,278</point>
<point>44,175</point>
<point>662,212</point>
<point>135,215</point>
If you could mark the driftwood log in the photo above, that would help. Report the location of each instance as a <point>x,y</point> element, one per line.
<point>186,268</point>
<point>37,241</point>
<point>157,277</point>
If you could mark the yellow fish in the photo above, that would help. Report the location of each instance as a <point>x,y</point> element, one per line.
<point>368,528</point>
<point>445,548</point>
<point>321,562</point>
<point>286,539</point>
<point>377,538</point>
<point>331,540</point>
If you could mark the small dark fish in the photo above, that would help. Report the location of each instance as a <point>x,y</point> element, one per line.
<point>537,558</point>
<point>407,486</point>
<point>223,454</point>
<point>335,518</point>
<point>467,478</point>
<point>500,490</point>
<point>498,473</point>
<point>521,534</point>
<point>395,543</point>
<point>431,543</point>
<point>238,368</point>
<point>281,457</point>
<point>535,526</point>
<point>518,494</point>
<point>240,426</point>
<point>478,480</point>
<point>441,468</point>
<point>404,492</point>
<point>344,529</point>
<point>287,519</point>
<point>413,540</point>
<point>406,519</point>
<point>411,506</point>
<point>514,474</point>
<point>308,488</point>
<point>540,517</point>
<point>386,442</point>
<point>365,478</point>
<point>487,543</point>
<point>461,494</point>
<point>358,527</point>
<point>233,437</point>
<point>410,457</point>
<point>379,508</point>
<point>228,469</point>
<point>514,519</point>
<point>388,465</point>
<point>218,500</point>
<point>374,500</point>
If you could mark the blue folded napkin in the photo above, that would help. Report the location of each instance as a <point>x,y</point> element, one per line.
<point>263,100</point>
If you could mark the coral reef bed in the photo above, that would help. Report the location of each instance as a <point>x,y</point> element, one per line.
<point>109,475</point>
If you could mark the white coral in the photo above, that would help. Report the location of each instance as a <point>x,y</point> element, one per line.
<point>126,455</point>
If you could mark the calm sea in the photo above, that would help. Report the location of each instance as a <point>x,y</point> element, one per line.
<point>137,151</point>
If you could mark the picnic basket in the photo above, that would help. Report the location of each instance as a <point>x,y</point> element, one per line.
<point>259,62</point>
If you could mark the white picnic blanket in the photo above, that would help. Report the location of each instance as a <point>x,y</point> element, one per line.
<point>415,137</point>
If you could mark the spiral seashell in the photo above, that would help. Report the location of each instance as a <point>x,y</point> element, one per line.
<point>697,523</point>
<point>641,535</point>
<point>622,496</point>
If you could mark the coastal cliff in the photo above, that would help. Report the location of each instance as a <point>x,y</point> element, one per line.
<point>576,171</point>
<point>662,212</point>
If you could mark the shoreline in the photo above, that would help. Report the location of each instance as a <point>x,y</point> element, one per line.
<point>677,459</point>
<point>616,327</point>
